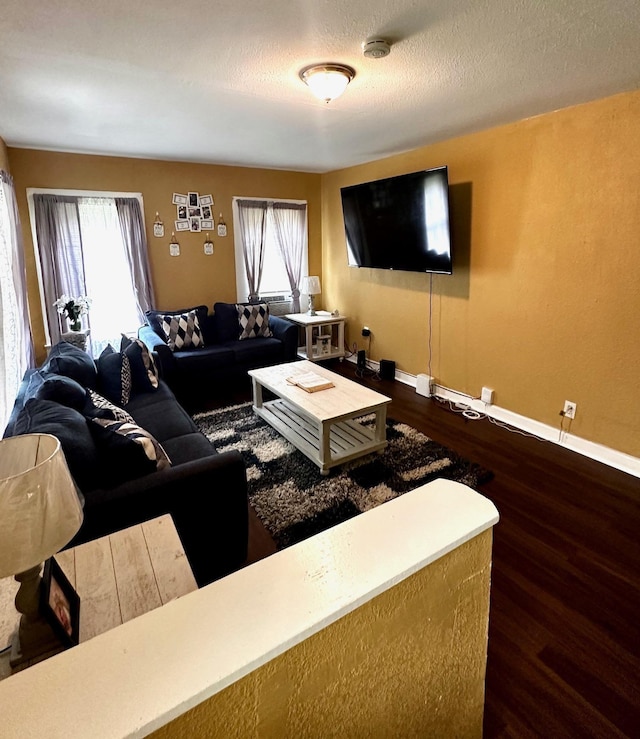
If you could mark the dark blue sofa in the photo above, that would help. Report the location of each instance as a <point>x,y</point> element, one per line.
<point>224,357</point>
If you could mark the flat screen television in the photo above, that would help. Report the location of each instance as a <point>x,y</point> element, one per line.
<point>399,222</point>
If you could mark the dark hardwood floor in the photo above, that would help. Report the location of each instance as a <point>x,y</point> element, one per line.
<point>564,633</point>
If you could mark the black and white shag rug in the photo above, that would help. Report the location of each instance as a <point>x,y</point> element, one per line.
<point>291,497</point>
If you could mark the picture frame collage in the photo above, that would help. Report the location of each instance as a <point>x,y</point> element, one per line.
<point>194,212</point>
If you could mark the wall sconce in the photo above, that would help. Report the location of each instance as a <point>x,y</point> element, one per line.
<point>327,81</point>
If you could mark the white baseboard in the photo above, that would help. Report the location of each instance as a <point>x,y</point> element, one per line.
<point>599,452</point>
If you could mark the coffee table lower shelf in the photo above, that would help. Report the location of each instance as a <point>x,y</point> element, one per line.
<point>325,444</point>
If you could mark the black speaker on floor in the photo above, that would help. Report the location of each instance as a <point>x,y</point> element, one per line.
<point>387,369</point>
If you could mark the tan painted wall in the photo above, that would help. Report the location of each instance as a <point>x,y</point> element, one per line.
<point>192,278</point>
<point>544,305</point>
<point>410,663</point>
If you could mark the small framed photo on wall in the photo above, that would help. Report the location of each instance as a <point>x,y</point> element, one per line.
<point>179,199</point>
<point>195,224</point>
<point>194,200</point>
<point>182,225</point>
<point>206,200</point>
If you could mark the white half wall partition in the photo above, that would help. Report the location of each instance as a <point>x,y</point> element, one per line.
<point>379,622</point>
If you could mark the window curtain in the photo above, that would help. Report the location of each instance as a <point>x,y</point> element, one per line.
<point>60,247</point>
<point>252,215</point>
<point>290,221</point>
<point>16,343</point>
<point>135,244</point>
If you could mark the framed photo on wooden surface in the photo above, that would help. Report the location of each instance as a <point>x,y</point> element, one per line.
<point>60,604</point>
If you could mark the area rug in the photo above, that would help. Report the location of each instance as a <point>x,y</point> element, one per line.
<point>291,497</point>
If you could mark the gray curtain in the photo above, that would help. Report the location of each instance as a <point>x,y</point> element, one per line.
<point>290,220</point>
<point>16,342</point>
<point>252,216</point>
<point>135,242</point>
<point>60,248</point>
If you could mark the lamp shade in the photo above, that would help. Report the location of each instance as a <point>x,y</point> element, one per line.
<point>40,510</point>
<point>311,285</point>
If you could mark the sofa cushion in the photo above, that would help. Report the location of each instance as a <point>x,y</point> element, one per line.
<point>71,361</point>
<point>253,321</point>
<point>164,417</point>
<point>258,353</point>
<point>185,448</point>
<point>59,388</point>
<point>182,331</point>
<point>155,317</point>
<point>48,417</point>
<point>226,321</point>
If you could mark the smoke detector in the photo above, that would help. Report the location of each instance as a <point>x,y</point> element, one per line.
<point>376,48</point>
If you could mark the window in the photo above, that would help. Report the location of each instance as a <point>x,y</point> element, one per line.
<point>284,258</point>
<point>91,244</point>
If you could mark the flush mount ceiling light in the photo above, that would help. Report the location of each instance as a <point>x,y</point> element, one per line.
<point>327,81</point>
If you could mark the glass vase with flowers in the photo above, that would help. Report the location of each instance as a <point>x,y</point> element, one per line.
<point>72,309</point>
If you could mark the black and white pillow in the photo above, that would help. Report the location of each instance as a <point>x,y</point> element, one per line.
<point>253,320</point>
<point>182,331</point>
<point>130,445</point>
<point>114,376</point>
<point>144,370</point>
<point>99,407</point>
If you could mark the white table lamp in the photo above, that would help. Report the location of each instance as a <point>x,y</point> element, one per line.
<point>40,511</point>
<point>311,287</point>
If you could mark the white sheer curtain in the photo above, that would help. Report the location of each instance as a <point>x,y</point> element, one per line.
<point>16,345</point>
<point>84,246</point>
<point>290,221</point>
<point>252,215</point>
<point>106,273</point>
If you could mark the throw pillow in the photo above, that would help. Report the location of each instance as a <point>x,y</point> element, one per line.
<point>114,376</point>
<point>70,361</point>
<point>155,317</point>
<point>127,450</point>
<point>182,331</point>
<point>98,407</point>
<point>61,389</point>
<point>144,371</point>
<point>254,320</point>
<point>48,417</point>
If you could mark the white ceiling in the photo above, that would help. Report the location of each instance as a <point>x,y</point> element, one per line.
<point>218,81</point>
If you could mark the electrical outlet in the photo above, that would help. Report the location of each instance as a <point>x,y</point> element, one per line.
<point>486,396</point>
<point>569,410</point>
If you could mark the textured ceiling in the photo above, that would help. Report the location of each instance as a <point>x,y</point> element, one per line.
<point>218,82</point>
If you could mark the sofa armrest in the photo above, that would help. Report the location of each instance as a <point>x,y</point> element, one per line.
<point>287,332</point>
<point>160,350</point>
<point>207,499</point>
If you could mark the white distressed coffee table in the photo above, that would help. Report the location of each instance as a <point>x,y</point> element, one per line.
<point>322,425</point>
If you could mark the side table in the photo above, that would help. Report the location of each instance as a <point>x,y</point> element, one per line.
<point>123,575</point>
<point>324,335</point>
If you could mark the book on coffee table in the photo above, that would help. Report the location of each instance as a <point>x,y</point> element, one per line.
<point>310,382</point>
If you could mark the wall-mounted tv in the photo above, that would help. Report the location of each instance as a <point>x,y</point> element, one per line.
<point>399,222</point>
